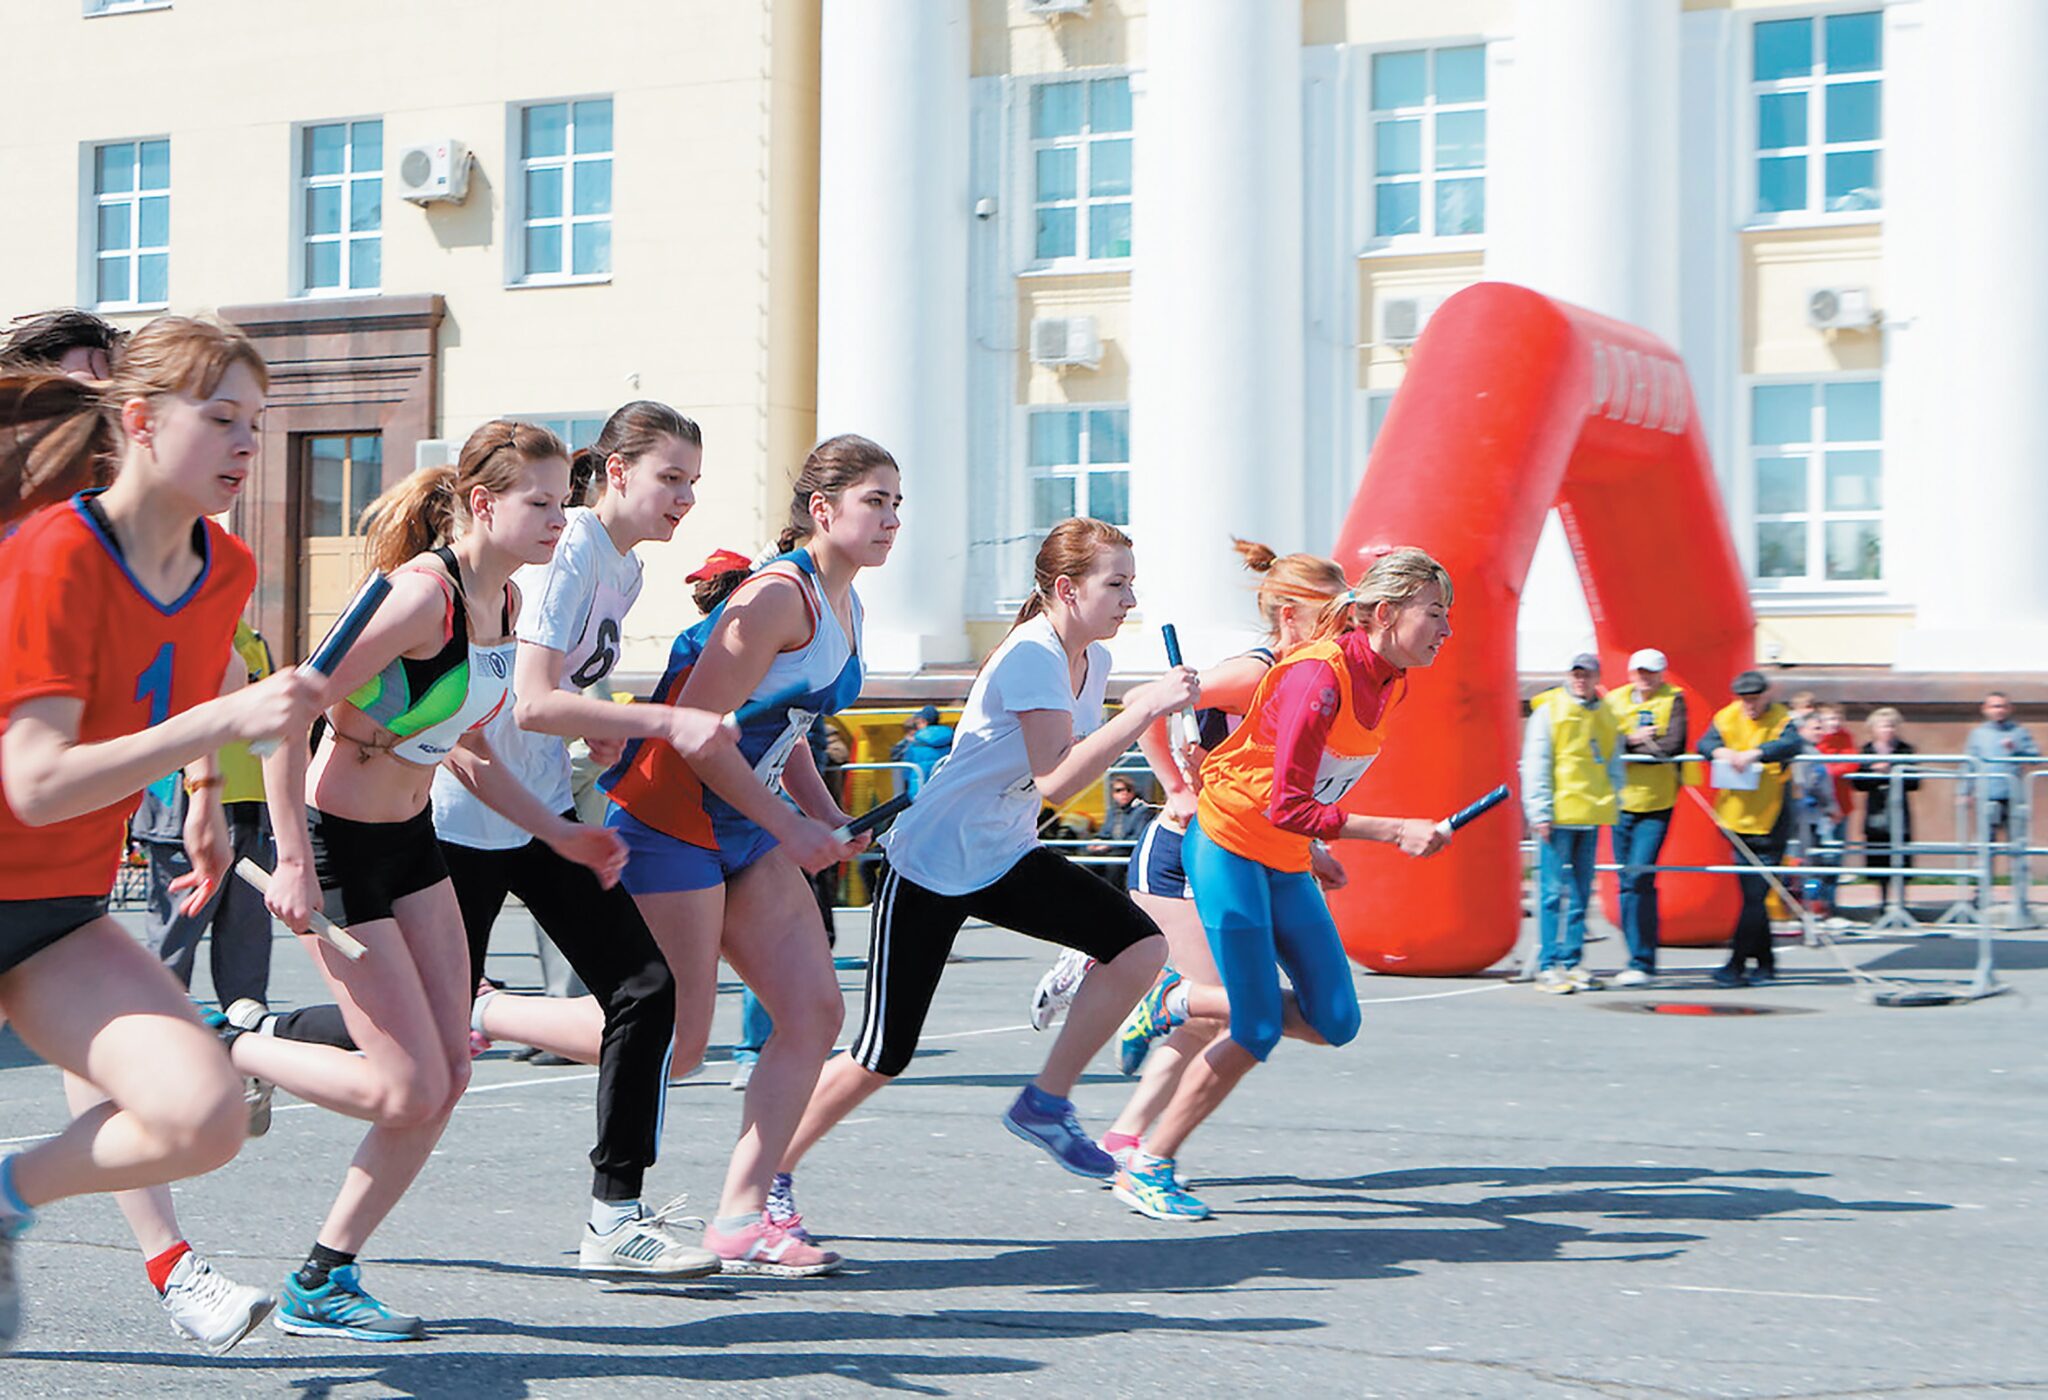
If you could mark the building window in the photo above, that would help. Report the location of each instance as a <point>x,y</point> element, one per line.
<point>576,430</point>
<point>1819,107</point>
<point>1081,168</point>
<point>115,7</point>
<point>565,158</point>
<point>342,203</point>
<point>1429,142</point>
<point>1080,464</point>
<point>131,182</point>
<point>1817,468</point>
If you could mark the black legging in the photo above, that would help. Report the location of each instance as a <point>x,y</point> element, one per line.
<point>602,935</point>
<point>1752,942</point>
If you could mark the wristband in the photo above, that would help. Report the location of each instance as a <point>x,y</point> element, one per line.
<point>193,786</point>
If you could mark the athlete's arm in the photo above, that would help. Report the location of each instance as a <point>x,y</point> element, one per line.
<point>1306,707</point>
<point>802,781</point>
<point>476,766</point>
<point>207,844</point>
<point>757,625</point>
<point>1226,686</point>
<point>1061,768</point>
<point>543,707</point>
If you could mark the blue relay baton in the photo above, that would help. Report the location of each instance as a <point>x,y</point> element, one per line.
<point>345,632</point>
<point>1465,814</point>
<point>1184,731</point>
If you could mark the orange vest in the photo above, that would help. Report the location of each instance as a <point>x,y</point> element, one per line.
<point>1237,778</point>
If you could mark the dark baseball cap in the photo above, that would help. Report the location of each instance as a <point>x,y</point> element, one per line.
<point>1586,661</point>
<point>1749,683</point>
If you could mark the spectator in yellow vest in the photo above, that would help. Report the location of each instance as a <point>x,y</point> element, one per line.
<point>1751,742</point>
<point>1571,773</point>
<point>1651,715</point>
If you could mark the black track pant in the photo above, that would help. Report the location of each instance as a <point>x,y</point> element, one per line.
<point>601,933</point>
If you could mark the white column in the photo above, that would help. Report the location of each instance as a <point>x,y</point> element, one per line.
<point>1585,209</point>
<point>1217,390</point>
<point>893,219</point>
<point>1979,542</point>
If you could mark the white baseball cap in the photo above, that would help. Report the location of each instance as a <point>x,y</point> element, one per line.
<point>1649,659</point>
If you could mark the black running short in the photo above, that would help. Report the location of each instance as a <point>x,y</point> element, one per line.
<point>27,926</point>
<point>366,867</point>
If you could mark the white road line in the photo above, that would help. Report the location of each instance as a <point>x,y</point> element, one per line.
<point>991,1030</point>
<point>1767,1293</point>
<point>1432,996</point>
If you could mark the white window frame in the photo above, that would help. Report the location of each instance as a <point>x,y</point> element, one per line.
<point>96,9</point>
<point>1078,472</point>
<point>1427,175</point>
<point>1816,516</point>
<point>302,238</point>
<point>136,249</point>
<point>1027,201</point>
<point>1817,147</point>
<point>516,221</point>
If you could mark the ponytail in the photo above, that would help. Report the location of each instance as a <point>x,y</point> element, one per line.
<point>1069,550</point>
<point>430,507</point>
<point>1289,578</point>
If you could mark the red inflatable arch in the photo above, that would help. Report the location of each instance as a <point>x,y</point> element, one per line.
<point>1514,403</point>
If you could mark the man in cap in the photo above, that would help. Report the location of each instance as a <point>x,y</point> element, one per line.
<point>1752,741</point>
<point>1651,715</point>
<point>1571,772</point>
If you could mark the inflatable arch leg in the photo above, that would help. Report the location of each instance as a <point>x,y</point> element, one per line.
<point>1514,403</point>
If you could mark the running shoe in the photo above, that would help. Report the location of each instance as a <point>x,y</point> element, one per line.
<point>340,1308</point>
<point>1153,1190</point>
<point>1057,989</point>
<point>781,1209</point>
<point>1122,1157</point>
<point>247,1013</point>
<point>1631,977</point>
<point>768,1249</point>
<point>1582,980</point>
<point>256,1093</point>
<point>1148,1021</point>
<point>1060,1135</point>
<point>1556,981</point>
<point>211,1308</point>
<point>1728,977</point>
<point>648,1244</point>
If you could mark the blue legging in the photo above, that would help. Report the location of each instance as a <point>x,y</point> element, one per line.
<point>1260,921</point>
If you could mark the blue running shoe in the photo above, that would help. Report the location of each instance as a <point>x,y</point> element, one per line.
<point>1148,1020</point>
<point>1149,1188</point>
<point>1060,1133</point>
<point>340,1308</point>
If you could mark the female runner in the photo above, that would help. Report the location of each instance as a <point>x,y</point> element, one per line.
<point>1268,792</point>
<point>118,612</point>
<point>718,860</point>
<point>1031,732</point>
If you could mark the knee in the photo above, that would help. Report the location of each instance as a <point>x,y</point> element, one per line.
<point>1338,1025</point>
<point>458,1085</point>
<point>1143,958</point>
<point>1256,1033</point>
<point>208,1130</point>
<point>417,1098</point>
<point>652,987</point>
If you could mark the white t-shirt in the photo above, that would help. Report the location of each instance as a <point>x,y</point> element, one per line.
<point>575,603</point>
<point>978,814</point>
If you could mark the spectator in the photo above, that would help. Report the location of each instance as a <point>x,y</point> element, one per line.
<point>1652,719</point>
<point>931,741</point>
<point>1998,738</point>
<point>1886,831</point>
<point>1123,825</point>
<point>1833,739</point>
<point>1816,817</point>
<point>1571,771</point>
<point>1750,746</point>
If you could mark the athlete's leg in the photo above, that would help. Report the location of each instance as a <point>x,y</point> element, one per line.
<point>775,941</point>
<point>1309,949</point>
<point>686,925</point>
<point>1187,952</point>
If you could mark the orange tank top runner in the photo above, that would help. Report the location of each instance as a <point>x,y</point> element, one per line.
<point>1248,791</point>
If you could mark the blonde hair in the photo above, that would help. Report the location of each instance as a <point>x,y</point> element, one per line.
<point>1069,550</point>
<point>428,507</point>
<point>1396,577</point>
<point>1885,714</point>
<point>1289,578</point>
<point>59,435</point>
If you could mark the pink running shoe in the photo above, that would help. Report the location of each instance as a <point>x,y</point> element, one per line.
<point>478,1044</point>
<point>762,1248</point>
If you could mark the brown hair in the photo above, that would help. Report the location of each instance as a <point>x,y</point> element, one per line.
<point>427,507</point>
<point>708,593</point>
<point>1395,577</point>
<point>1289,578</point>
<point>1069,550</point>
<point>632,431</point>
<point>59,435</point>
<point>42,339</point>
<point>832,466</point>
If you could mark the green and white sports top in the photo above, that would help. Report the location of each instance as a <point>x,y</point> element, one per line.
<point>430,704</point>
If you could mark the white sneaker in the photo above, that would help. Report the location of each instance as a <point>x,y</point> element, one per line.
<point>1555,981</point>
<point>646,1245</point>
<point>246,1013</point>
<point>742,1074</point>
<point>1056,990</point>
<point>211,1308</point>
<point>1582,980</point>
<point>1631,977</point>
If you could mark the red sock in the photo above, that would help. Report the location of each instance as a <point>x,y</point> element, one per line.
<point>1117,1142</point>
<point>161,1266</point>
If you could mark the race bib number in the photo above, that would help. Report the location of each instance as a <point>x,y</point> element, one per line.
<point>1337,774</point>
<point>769,769</point>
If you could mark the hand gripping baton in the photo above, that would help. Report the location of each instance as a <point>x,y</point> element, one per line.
<point>1480,808</point>
<point>340,637</point>
<point>879,815</point>
<point>1183,730</point>
<point>343,941</point>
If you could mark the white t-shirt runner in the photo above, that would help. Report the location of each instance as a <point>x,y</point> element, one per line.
<point>575,603</point>
<point>978,814</point>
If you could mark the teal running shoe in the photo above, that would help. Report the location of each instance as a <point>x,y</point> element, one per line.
<point>340,1308</point>
<point>1150,1189</point>
<point>1148,1021</point>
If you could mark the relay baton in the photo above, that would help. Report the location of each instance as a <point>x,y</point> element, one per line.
<point>1183,730</point>
<point>879,815</point>
<point>342,940</point>
<point>340,637</point>
<point>1481,807</point>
